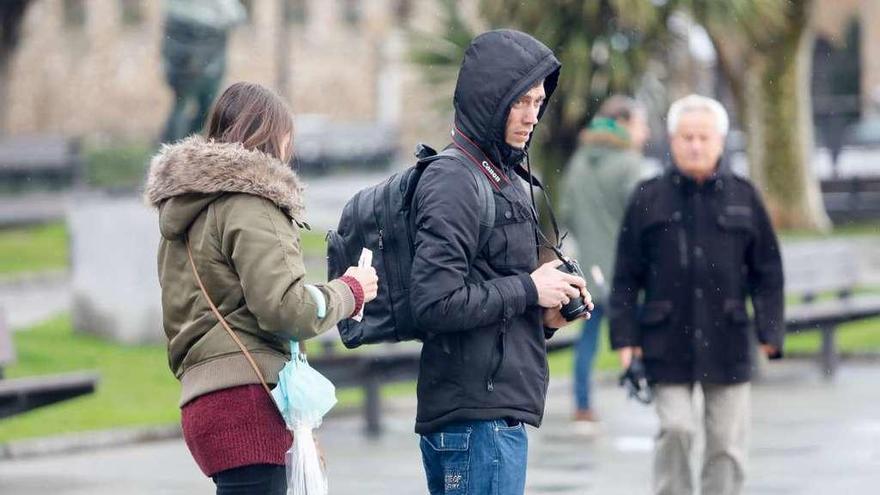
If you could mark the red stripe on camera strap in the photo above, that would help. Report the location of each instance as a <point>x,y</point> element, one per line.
<point>469,148</point>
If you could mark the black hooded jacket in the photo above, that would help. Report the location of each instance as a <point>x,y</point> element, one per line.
<point>484,356</point>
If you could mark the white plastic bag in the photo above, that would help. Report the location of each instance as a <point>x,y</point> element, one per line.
<point>303,396</point>
<point>305,471</point>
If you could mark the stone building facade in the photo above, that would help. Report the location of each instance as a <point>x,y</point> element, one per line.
<point>93,68</point>
<point>833,18</point>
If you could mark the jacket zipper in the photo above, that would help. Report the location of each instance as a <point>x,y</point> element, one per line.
<point>490,383</point>
<point>385,261</point>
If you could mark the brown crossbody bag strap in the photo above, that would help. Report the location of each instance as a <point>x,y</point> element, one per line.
<point>222,320</point>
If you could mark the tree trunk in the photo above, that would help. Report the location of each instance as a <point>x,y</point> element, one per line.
<point>780,135</point>
<point>11,14</point>
<point>282,52</point>
<point>770,83</point>
<point>4,93</point>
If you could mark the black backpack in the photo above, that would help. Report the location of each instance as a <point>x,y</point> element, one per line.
<point>380,219</point>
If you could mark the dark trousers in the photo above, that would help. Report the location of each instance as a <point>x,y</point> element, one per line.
<point>257,479</point>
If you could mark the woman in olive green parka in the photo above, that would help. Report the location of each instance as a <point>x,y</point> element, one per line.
<point>238,204</point>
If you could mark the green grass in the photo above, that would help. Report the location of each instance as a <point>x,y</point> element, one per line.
<point>562,362</point>
<point>854,229</point>
<point>136,387</point>
<point>314,243</point>
<point>32,249</point>
<point>861,336</point>
<point>118,166</point>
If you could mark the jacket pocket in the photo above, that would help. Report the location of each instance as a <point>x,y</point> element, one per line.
<point>735,231</point>
<point>736,333</point>
<point>736,220</point>
<point>654,323</point>
<point>512,241</point>
<point>445,441</point>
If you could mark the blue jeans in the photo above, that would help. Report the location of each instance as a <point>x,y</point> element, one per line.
<point>476,458</point>
<point>584,354</point>
<point>256,479</point>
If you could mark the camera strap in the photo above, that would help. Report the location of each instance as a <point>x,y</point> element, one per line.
<point>533,181</point>
<point>499,179</point>
<point>471,150</point>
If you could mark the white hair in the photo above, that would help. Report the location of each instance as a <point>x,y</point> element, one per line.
<point>697,103</point>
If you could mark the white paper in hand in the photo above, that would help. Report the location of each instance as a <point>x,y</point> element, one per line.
<point>365,260</point>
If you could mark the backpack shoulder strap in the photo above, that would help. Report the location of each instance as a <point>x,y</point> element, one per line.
<point>484,190</point>
<point>427,155</point>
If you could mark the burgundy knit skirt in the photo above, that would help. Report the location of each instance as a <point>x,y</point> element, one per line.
<point>234,427</point>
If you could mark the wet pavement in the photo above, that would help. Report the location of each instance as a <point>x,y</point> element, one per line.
<point>810,437</point>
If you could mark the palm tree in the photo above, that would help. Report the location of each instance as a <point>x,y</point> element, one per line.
<point>603,46</point>
<point>764,50</point>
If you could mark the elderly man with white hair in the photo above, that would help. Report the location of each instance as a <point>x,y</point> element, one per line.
<point>694,244</point>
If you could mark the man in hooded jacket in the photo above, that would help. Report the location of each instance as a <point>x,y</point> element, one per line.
<point>485,308</point>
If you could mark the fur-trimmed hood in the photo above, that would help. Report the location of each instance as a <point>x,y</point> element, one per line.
<point>195,171</point>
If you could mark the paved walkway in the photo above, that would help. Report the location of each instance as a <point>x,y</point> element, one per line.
<point>810,437</point>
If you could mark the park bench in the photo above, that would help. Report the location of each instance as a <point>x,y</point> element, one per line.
<point>33,171</point>
<point>368,368</point>
<point>850,199</point>
<point>323,146</point>
<point>813,269</point>
<point>39,161</point>
<point>19,395</point>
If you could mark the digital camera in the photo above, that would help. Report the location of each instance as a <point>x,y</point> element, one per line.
<point>576,307</point>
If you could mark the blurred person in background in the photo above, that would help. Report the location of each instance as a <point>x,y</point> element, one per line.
<point>194,59</point>
<point>596,187</point>
<point>694,243</point>
<point>232,200</point>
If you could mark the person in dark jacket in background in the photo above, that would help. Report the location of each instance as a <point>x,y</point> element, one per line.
<point>486,310</point>
<point>694,243</point>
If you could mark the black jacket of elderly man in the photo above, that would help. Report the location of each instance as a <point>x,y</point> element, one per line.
<point>689,257</point>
